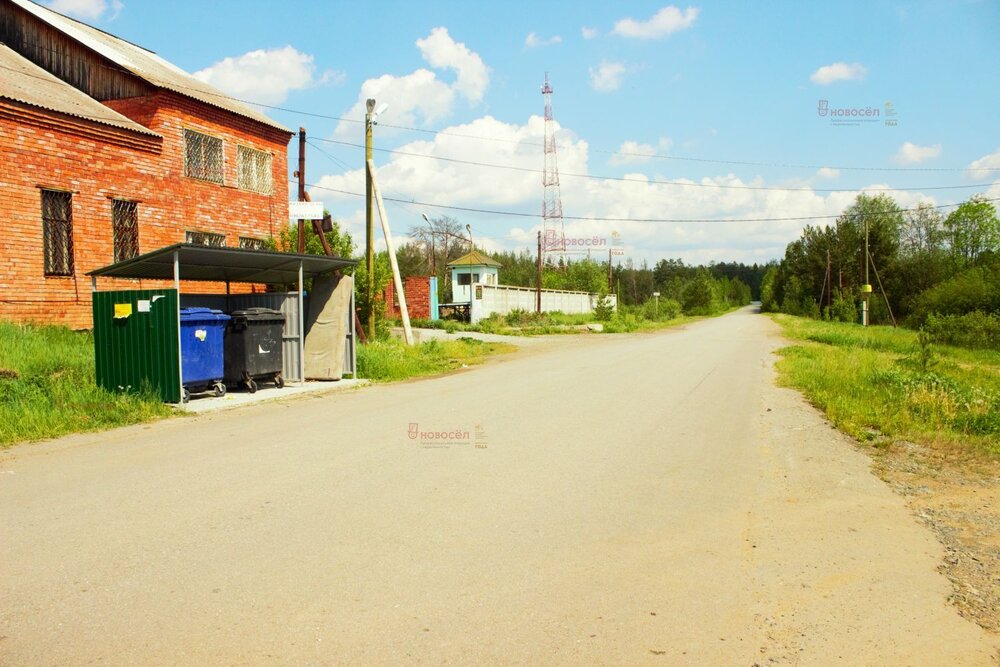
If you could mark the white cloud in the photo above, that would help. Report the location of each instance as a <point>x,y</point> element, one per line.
<point>413,178</point>
<point>534,41</point>
<point>607,77</point>
<point>266,76</point>
<point>632,152</point>
<point>443,52</point>
<point>588,33</point>
<point>87,10</point>
<point>668,20</point>
<point>421,96</point>
<point>984,166</point>
<point>910,153</point>
<point>828,74</point>
<point>828,173</point>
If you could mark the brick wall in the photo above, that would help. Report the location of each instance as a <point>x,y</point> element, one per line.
<point>418,298</point>
<point>97,164</point>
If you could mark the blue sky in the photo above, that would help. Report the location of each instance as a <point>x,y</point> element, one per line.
<point>714,83</point>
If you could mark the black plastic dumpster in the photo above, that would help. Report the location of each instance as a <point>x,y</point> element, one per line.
<point>202,331</point>
<point>253,348</point>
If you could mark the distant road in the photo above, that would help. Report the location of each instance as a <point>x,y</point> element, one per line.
<point>646,499</point>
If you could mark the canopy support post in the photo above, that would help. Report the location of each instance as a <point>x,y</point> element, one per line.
<point>180,364</point>
<point>302,328</point>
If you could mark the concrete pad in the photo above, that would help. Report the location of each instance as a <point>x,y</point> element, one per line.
<point>201,403</point>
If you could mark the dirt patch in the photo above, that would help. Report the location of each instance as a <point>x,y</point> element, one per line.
<point>958,497</point>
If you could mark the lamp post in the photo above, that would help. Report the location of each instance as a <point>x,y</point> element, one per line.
<point>433,254</point>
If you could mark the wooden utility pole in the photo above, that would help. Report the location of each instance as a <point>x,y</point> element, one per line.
<point>369,220</point>
<point>867,288</point>
<point>610,274</point>
<point>301,174</point>
<point>538,277</point>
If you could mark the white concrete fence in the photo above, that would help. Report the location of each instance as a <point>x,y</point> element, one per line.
<point>502,299</point>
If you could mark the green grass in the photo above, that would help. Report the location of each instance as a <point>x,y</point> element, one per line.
<point>388,360</point>
<point>871,382</point>
<point>47,387</point>
<point>628,319</point>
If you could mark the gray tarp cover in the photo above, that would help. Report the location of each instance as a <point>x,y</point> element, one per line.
<point>326,327</point>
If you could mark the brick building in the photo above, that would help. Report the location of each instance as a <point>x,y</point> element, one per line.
<point>108,151</point>
<point>418,298</point>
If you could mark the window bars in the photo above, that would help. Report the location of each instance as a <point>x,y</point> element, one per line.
<point>250,243</point>
<point>254,169</point>
<point>206,238</point>
<point>125,224</point>
<point>57,232</point>
<point>202,156</point>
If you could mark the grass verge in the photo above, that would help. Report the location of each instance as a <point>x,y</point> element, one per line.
<point>878,382</point>
<point>389,360</point>
<point>47,387</point>
<point>523,323</point>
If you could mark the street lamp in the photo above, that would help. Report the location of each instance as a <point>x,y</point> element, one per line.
<point>433,254</point>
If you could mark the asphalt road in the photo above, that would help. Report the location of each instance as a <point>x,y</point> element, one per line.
<point>646,499</point>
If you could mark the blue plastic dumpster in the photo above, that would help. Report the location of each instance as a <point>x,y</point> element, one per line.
<point>202,363</point>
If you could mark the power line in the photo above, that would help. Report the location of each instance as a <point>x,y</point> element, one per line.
<point>658,156</point>
<point>655,181</point>
<point>518,214</point>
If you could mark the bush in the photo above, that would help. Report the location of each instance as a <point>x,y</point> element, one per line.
<point>622,323</point>
<point>603,311</point>
<point>667,309</point>
<point>976,289</point>
<point>975,329</point>
<point>843,310</point>
<point>699,295</point>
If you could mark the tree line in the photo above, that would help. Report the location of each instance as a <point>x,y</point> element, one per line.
<point>926,269</point>
<point>702,289</point>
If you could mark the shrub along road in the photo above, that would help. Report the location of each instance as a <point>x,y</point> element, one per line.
<point>635,499</point>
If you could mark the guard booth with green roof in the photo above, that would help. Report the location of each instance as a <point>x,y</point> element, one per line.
<point>137,332</point>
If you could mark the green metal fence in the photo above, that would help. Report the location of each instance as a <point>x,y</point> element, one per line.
<point>136,341</point>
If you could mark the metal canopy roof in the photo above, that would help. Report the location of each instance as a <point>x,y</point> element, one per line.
<point>235,265</point>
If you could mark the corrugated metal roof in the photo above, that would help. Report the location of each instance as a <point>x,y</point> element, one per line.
<point>145,64</point>
<point>474,258</point>
<point>25,82</point>
<point>198,262</point>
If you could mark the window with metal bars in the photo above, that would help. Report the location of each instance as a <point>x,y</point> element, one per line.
<point>250,243</point>
<point>254,168</point>
<point>206,238</point>
<point>57,232</point>
<point>202,156</point>
<point>125,224</point>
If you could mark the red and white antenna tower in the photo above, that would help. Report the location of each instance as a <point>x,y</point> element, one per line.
<point>553,231</point>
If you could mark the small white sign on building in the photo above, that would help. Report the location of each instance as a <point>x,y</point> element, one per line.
<point>305,210</point>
